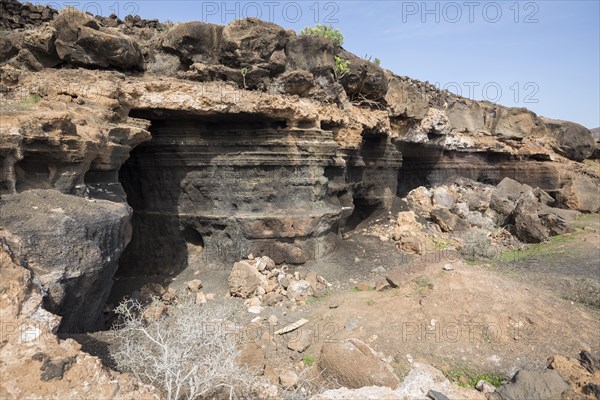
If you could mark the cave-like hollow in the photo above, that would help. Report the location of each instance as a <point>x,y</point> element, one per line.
<point>209,190</point>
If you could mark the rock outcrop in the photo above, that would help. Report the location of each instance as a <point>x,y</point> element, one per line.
<point>246,144</point>
<point>34,362</point>
<point>72,245</point>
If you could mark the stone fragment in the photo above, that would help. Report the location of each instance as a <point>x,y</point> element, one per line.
<point>194,286</point>
<point>353,364</point>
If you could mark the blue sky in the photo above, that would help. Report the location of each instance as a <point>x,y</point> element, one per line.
<point>543,55</point>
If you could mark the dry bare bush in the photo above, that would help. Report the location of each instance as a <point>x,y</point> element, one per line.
<point>163,65</point>
<point>190,352</point>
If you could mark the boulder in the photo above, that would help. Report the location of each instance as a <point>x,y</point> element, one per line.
<point>39,49</point>
<point>511,189</point>
<point>310,53</point>
<point>442,197</point>
<point>194,286</point>
<point>448,221</point>
<point>297,82</point>
<point>364,79</point>
<point>572,140</point>
<point>465,116</point>
<point>580,193</point>
<point>243,279</point>
<point>514,123</point>
<point>194,42</point>
<point>288,379</point>
<point>419,200</point>
<point>300,340</point>
<point>353,364</point>
<point>251,42</point>
<point>543,196</point>
<point>527,385</point>
<point>81,41</point>
<point>554,224</point>
<point>423,380</point>
<point>10,43</point>
<point>406,100</point>
<point>73,247</point>
<point>526,224</point>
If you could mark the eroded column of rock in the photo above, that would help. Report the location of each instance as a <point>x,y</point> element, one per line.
<point>220,188</point>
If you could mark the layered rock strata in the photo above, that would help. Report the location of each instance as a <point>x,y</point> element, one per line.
<point>236,139</point>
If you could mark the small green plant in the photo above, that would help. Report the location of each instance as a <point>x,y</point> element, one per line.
<point>468,378</point>
<point>341,68</point>
<point>308,360</point>
<point>30,101</point>
<point>244,72</point>
<point>324,31</point>
<point>316,299</point>
<point>375,61</point>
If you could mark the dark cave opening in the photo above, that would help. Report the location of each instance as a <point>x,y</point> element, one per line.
<point>33,171</point>
<point>373,175</point>
<point>204,184</point>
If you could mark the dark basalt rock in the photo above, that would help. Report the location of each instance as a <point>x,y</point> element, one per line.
<point>234,186</point>
<point>194,42</point>
<point>573,140</point>
<point>251,42</point>
<point>80,41</point>
<point>82,241</point>
<point>310,53</point>
<point>365,79</point>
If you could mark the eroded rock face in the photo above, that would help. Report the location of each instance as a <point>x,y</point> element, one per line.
<point>212,182</point>
<point>80,41</point>
<point>34,362</point>
<point>274,170</point>
<point>72,245</point>
<point>194,42</point>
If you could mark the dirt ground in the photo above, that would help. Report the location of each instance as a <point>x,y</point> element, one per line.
<point>491,317</point>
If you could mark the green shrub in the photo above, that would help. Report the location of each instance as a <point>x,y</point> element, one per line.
<point>308,360</point>
<point>324,31</point>
<point>30,101</point>
<point>341,68</point>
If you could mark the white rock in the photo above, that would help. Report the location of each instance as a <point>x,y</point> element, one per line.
<point>273,320</point>
<point>260,291</point>
<point>194,286</point>
<point>200,298</point>
<point>288,379</point>
<point>485,387</point>
<point>255,309</point>
<point>300,288</point>
<point>254,301</point>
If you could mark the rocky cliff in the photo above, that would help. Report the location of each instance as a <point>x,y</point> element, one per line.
<point>226,141</point>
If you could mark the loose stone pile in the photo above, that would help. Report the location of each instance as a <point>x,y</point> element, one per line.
<point>260,282</point>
